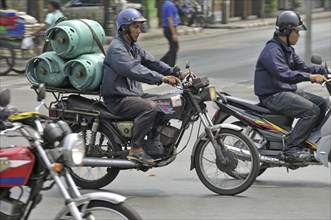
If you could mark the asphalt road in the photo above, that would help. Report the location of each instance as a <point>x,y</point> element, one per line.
<point>228,57</point>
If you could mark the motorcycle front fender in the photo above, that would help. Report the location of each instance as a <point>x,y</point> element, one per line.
<point>204,137</point>
<point>100,196</point>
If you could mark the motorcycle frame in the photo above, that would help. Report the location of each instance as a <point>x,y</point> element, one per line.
<point>200,111</point>
<point>268,129</point>
<point>72,196</point>
<point>96,121</point>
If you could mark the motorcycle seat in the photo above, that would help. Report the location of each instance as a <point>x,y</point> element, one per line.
<point>79,102</point>
<point>251,105</point>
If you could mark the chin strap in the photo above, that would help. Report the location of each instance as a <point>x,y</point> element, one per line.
<point>127,31</point>
<point>288,40</point>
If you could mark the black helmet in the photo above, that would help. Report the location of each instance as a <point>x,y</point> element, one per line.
<point>288,21</point>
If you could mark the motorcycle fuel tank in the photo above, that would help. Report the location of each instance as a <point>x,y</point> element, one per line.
<point>171,105</point>
<point>16,164</point>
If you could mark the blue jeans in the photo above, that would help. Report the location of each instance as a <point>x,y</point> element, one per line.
<point>309,108</point>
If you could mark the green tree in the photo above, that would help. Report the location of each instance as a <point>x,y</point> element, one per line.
<point>271,8</point>
<point>294,4</point>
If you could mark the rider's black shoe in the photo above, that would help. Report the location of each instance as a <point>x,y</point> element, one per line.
<point>296,154</point>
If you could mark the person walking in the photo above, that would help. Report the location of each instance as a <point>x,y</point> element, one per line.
<point>54,13</point>
<point>170,21</point>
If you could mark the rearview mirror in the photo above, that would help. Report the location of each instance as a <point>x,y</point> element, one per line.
<point>4,97</point>
<point>41,92</point>
<point>316,59</point>
<point>187,66</point>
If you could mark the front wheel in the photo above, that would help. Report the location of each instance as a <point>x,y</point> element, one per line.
<point>98,209</point>
<point>241,156</point>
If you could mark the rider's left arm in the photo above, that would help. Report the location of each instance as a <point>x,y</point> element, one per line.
<point>155,64</point>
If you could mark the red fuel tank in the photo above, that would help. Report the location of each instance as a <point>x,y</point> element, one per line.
<point>16,164</point>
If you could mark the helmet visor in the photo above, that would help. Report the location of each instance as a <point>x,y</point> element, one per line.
<point>141,19</point>
<point>301,28</point>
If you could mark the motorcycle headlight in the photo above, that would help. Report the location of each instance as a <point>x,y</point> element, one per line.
<point>208,94</point>
<point>73,149</point>
<point>212,93</point>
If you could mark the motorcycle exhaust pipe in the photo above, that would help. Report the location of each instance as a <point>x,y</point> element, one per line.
<point>104,162</point>
<point>266,159</point>
<point>263,158</point>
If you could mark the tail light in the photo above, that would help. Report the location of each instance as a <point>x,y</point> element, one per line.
<point>52,113</point>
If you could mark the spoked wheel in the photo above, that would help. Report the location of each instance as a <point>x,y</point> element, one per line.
<point>7,59</point>
<point>241,157</point>
<point>201,22</point>
<point>97,209</point>
<point>22,60</point>
<point>96,177</point>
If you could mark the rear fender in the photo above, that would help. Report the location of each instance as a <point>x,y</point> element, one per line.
<point>203,137</point>
<point>323,150</point>
<point>87,198</point>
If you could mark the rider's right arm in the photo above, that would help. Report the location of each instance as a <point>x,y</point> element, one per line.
<point>273,59</point>
<point>122,62</point>
<point>302,66</point>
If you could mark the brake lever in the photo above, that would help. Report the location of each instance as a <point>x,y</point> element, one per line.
<point>325,82</point>
<point>222,97</point>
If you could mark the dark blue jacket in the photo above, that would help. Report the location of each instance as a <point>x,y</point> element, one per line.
<point>279,68</point>
<point>126,66</point>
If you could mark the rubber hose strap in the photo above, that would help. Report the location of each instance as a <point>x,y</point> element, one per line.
<point>95,37</point>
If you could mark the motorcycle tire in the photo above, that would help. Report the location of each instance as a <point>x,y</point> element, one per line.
<point>247,182</point>
<point>111,173</point>
<point>201,22</point>
<point>121,210</point>
<point>7,58</point>
<point>242,125</point>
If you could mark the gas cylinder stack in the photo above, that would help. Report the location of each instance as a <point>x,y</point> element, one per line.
<point>76,61</point>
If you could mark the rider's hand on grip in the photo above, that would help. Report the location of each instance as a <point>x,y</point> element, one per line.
<point>317,78</point>
<point>171,80</point>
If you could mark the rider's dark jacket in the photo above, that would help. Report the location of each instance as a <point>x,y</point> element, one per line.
<point>126,66</point>
<point>279,69</point>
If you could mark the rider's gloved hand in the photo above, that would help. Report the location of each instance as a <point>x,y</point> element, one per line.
<point>317,78</point>
<point>171,80</point>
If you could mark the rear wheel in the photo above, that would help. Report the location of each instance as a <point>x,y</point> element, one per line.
<point>241,156</point>
<point>255,137</point>
<point>22,60</point>
<point>96,177</point>
<point>201,22</point>
<point>7,58</point>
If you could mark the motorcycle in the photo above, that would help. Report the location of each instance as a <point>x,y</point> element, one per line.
<point>52,149</point>
<point>217,153</point>
<point>269,130</point>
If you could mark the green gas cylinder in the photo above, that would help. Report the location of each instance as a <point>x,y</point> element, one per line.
<point>72,38</point>
<point>85,72</point>
<point>46,68</point>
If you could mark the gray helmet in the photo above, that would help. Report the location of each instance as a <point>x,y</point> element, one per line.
<point>288,21</point>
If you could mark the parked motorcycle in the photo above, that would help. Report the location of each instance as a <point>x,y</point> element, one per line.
<point>269,130</point>
<point>217,153</point>
<point>44,163</point>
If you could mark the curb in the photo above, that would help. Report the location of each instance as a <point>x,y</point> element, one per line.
<point>270,21</point>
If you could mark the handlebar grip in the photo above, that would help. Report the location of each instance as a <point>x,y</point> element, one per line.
<point>222,97</point>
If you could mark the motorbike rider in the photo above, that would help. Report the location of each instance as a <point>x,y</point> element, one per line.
<point>127,65</point>
<point>278,70</point>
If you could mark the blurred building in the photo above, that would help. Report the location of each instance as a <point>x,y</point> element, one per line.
<point>212,9</point>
